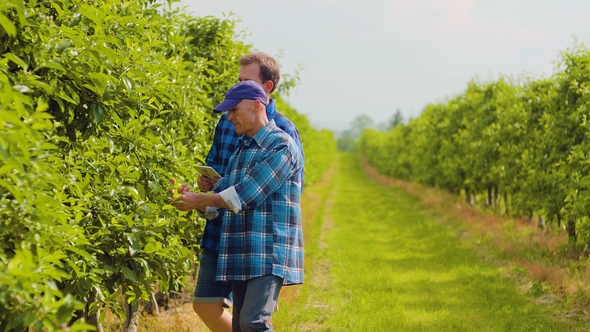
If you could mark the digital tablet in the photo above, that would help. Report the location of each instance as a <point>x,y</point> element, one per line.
<point>208,171</point>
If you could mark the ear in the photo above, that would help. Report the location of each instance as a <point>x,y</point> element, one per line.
<point>268,85</point>
<point>258,106</point>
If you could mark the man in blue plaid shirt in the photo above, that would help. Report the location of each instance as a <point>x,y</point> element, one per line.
<point>261,244</point>
<point>210,295</point>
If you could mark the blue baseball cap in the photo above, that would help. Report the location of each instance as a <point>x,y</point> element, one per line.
<point>243,90</point>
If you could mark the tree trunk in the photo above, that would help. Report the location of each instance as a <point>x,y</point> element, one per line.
<point>154,303</point>
<point>93,320</point>
<point>571,231</point>
<point>496,196</point>
<point>468,199</point>
<point>541,223</point>
<point>490,197</point>
<point>90,318</point>
<point>132,316</point>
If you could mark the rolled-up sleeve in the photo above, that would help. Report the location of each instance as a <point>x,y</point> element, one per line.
<point>232,199</point>
<point>210,213</point>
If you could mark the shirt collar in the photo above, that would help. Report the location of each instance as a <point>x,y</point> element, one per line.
<point>271,109</point>
<point>260,137</point>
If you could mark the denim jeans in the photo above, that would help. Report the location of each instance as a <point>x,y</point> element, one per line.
<point>254,303</point>
<point>208,290</point>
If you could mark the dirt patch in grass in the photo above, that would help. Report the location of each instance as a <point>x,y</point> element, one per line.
<point>179,317</point>
<point>519,241</point>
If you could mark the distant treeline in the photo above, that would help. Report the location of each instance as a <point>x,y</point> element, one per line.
<point>522,146</point>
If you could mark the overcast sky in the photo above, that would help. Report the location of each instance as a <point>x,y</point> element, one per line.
<point>375,56</point>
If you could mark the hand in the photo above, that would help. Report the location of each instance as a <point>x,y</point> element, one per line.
<point>184,188</point>
<point>205,184</point>
<point>215,180</point>
<point>190,201</point>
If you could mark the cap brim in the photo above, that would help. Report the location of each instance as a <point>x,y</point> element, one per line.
<point>226,105</point>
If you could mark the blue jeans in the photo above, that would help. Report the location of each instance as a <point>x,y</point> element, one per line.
<point>254,303</point>
<point>208,290</point>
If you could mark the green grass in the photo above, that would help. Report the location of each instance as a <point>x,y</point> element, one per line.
<point>377,262</point>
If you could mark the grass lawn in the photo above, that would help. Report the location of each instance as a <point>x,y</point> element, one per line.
<point>377,262</point>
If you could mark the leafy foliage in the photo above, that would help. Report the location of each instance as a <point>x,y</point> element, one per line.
<point>526,143</point>
<point>98,108</point>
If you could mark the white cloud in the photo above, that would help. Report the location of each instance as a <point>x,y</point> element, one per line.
<point>452,12</point>
<point>452,21</point>
<point>405,7</point>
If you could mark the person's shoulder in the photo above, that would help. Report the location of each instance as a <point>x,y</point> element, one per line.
<point>285,123</point>
<point>277,134</point>
<point>278,137</point>
<point>279,140</point>
<point>281,119</point>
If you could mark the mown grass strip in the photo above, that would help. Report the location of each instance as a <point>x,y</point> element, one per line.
<point>391,267</point>
<point>304,308</point>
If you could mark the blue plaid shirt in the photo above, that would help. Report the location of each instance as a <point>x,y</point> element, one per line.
<point>225,142</point>
<point>261,233</point>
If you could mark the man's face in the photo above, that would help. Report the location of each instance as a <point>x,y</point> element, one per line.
<point>251,72</point>
<point>243,117</point>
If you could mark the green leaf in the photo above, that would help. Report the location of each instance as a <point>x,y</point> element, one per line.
<point>146,266</point>
<point>59,48</point>
<point>99,85</point>
<point>82,253</point>
<point>128,85</point>
<point>42,105</point>
<point>90,13</point>
<point>80,326</point>
<point>74,76</point>
<point>98,113</point>
<point>152,247</point>
<point>8,26</point>
<point>49,146</point>
<point>141,191</point>
<point>11,189</point>
<point>53,65</point>
<point>76,20</point>
<point>133,243</point>
<point>130,274</point>
<point>57,7</point>
<point>65,97</point>
<point>42,85</point>
<point>154,187</point>
<point>134,192</point>
<point>8,167</point>
<point>17,60</point>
